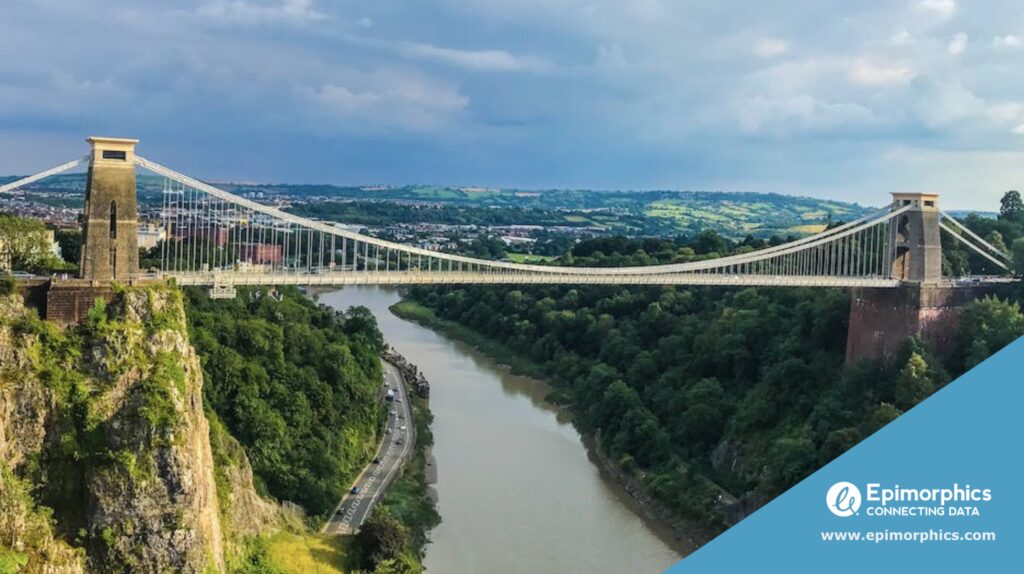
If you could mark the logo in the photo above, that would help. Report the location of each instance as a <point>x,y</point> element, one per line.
<point>843,499</point>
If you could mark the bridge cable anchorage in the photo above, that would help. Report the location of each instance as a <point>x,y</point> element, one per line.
<point>44,174</point>
<point>291,250</point>
<point>973,235</point>
<point>974,247</point>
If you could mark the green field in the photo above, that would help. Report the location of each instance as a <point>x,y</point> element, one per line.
<point>759,216</point>
<point>527,257</point>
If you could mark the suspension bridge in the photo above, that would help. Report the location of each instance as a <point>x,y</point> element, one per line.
<point>891,258</point>
<point>220,240</point>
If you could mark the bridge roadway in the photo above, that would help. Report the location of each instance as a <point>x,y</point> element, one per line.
<point>242,278</point>
<point>375,479</point>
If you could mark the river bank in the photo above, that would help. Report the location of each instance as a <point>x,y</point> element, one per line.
<point>687,536</point>
<point>513,472</point>
<point>411,498</point>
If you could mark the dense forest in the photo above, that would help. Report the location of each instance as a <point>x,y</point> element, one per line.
<point>296,384</point>
<point>703,390</point>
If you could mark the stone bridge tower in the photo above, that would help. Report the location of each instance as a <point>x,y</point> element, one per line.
<point>110,250</point>
<point>925,305</point>
<point>918,245</point>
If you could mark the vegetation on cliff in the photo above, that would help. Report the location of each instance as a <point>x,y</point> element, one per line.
<point>102,423</point>
<point>296,384</point>
<point>698,389</point>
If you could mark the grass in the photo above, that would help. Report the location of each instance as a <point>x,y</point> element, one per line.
<point>737,217</point>
<point>808,229</point>
<point>527,257</point>
<point>311,553</point>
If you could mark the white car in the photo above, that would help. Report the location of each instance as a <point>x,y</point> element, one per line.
<point>402,427</point>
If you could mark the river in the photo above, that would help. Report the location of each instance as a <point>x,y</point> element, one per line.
<point>518,490</point>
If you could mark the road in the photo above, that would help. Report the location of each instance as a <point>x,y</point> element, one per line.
<point>354,508</point>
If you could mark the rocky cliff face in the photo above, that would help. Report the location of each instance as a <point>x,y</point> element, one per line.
<point>154,503</point>
<point>28,542</point>
<point>104,424</point>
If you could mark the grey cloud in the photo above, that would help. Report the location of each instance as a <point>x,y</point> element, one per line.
<point>824,97</point>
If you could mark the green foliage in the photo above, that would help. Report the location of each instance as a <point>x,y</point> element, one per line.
<point>8,285</point>
<point>70,241</point>
<point>256,559</point>
<point>296,384</point>
<point>1003,232</point>
<point>11,562</point>
<point>28,244</point>
<point>986,326</point>
<point>914,383</point>
<point>161,390</point>
<point>31,526</point>
<point>1011,207</point>
<point>96,317</point>
<point>384,545</point>
<point>696,387</point>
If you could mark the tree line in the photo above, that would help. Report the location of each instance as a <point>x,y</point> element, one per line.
<point>295,383</point>
<point>697,390</point>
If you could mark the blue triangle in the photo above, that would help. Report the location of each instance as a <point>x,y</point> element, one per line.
<point>970,432</point>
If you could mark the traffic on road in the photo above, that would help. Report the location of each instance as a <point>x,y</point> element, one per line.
<point>394,449</point>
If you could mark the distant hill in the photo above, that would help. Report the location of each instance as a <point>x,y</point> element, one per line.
<point>734,214</point>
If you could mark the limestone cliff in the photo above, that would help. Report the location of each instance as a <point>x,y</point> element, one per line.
<point>153,500</point>
<point>103,423</point>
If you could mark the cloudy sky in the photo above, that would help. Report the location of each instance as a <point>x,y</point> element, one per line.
<point>828,98</point>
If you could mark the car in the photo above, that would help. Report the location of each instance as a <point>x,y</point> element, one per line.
<point>398,442</point>
<point>355,490</point>
<point>376,460</point>
<point>387,430</point>
<point>393,411</point>
<point>402,427</point>
<point>401,416</point>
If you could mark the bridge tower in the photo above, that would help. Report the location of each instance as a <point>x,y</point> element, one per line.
<point>881,320</point>
<point>918,246</point>
<point>110,250</point>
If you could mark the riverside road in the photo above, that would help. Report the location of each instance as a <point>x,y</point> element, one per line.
<point>376,477</point>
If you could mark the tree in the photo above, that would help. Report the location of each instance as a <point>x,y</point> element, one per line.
<point>914,384</point>
<point>708,242</point>
<point>986,326</point>
<point>27,245</point>
<point>381,539</point>
<point>1011,207</point>
<point>882,415</point>
<point>996,239</point>
<point>70,241</point>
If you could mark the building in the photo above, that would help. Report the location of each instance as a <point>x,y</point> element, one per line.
<point>260,253</point>
<point>150,235</point>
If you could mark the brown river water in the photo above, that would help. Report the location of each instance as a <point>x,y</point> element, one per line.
<point>518,490</point>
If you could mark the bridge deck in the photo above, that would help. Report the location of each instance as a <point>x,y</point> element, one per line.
<point>436,278</point>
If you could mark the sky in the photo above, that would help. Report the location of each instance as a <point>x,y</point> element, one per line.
<point>839,99</point>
